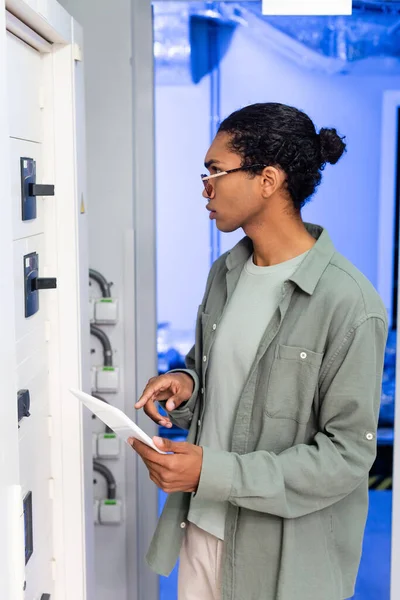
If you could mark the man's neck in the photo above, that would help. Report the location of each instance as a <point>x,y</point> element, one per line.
<point>279,239</point>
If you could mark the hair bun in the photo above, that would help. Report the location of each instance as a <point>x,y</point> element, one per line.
<point>332,146</point>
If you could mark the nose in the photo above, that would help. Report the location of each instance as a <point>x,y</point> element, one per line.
<point>209,191</point>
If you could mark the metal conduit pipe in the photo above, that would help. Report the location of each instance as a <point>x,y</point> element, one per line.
<point>105,342</point>
<point>109,477</point>
<point>102,281</point>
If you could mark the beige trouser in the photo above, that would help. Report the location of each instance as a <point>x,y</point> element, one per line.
<point>199,566</point>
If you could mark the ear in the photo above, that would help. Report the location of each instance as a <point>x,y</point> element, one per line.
<point>271,180</point>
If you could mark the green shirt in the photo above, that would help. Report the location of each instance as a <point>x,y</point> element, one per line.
<point>304,435</point>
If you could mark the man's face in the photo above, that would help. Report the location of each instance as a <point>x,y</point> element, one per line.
<point>235,199</point>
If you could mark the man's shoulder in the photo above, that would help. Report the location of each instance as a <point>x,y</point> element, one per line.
<point>347,286</point>
<point>220,262</point>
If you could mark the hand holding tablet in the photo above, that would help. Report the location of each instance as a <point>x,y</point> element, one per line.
<point>117,420</point>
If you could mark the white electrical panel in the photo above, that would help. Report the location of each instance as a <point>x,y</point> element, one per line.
<point>106,311</point>
<point>107,445</point>
<point>110,512</point>
<point>33,229</point>
<point>107,380</point>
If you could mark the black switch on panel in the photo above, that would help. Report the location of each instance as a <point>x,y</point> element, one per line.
<point>45,597</point>
<point>44,283</point>
<point>33,283</point>
<point>41,190</point>
<point>24,404</point>
<point>30,189</point>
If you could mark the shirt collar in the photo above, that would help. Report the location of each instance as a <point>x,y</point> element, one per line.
<point>310,270</point>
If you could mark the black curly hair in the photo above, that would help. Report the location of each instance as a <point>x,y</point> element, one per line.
<point>276,134</point>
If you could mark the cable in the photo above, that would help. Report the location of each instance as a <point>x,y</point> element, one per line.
<point>105,342</point>
<point>109,477</point>
<point>108,429</point>
<point>102,281</point>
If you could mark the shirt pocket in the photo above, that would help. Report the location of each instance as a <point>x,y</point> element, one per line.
<point>292,383</point>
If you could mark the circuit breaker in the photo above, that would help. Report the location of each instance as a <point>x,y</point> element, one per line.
<point>106,311</point>
<point>33,283</point>
<point>110,512</point>
<point>107,445</point>
<point>107,380</point>
<point>30,189</point>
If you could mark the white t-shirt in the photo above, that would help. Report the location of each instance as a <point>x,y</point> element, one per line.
<point>242,326</point>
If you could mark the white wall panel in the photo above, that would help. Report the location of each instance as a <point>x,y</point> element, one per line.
<point>35,475</point>
<point>43,359</point>
<point>24,90</point>
<point>11,563</point>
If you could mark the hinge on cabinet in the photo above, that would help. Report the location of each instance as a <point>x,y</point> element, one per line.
<point>50,426</point>
<point>53,568</point>
<point>77,50</point>
<point>51,488</point>
<point>41,97</point>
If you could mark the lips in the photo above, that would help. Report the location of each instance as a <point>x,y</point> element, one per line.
<point>213,215</point>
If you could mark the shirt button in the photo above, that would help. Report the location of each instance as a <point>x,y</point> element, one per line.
<point>204,358</point>
<point>214,327</point>
<point>303,355</point>
<point>199,423</point>
<point>183,525</point>
<point>369,436</point>
<point>202,391</point>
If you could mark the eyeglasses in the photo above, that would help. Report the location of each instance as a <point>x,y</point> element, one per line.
<point>209,186</point>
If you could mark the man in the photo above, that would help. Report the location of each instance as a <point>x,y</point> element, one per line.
<point>269,496</point>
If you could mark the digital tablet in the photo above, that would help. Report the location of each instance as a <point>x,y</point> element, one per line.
<point>117,420</point>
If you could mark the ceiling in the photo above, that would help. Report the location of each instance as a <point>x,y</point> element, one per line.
<point>332,44</point>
